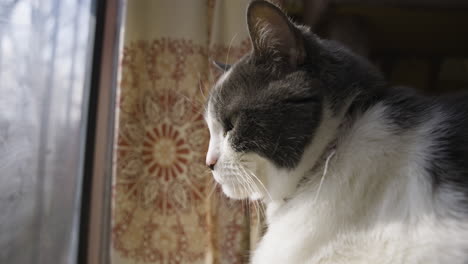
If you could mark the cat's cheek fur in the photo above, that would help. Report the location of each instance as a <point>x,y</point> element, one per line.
<point>234,191</point>
<point>235,183</point>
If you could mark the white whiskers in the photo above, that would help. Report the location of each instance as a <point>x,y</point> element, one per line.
<point>244,181</point>
<point>229,48</point>
<point>325,169</point>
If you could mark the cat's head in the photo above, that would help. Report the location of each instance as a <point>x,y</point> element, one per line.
<point>266,112</point>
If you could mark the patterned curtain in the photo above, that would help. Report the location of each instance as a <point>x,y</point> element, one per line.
<point>166,208</point>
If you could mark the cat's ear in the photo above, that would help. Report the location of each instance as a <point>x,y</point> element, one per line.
<point>274,34</point>
<point>221,66</point>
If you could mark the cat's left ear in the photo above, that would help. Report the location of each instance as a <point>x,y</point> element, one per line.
<point>221,66</point>
<point>272,33</point>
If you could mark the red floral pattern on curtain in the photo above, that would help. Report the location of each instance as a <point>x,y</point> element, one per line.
<point>166,208</point>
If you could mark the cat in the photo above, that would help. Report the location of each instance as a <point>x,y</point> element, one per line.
<point>350,169</point>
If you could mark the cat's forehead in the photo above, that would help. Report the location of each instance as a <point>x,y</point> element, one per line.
<point>233,91</point>
<point>245,77</point>
<point>223,78</point>
<point>235,73</point>
<point>238,81</point>
<point>215,97</point>
<point>224,92</point>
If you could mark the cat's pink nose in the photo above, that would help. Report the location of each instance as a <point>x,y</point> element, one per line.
<point>211,162</point>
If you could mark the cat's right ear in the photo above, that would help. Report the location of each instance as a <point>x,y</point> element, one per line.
<point>221,66</point>
<point>273,34</point>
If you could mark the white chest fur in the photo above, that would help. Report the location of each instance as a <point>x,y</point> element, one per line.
<point>375,206</point>
<point>328,237</point>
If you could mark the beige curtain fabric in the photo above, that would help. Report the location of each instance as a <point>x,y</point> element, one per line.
<point>165,206</point>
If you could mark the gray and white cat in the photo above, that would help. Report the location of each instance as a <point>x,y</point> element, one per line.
<point>350,169</point>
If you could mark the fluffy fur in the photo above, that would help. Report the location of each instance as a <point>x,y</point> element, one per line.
<point>396,185</point>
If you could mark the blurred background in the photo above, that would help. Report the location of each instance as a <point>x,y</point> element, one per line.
<point>419,43</point>
<point>102,139</point>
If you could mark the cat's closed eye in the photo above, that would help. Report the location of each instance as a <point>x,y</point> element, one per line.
<point>227,126</point>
